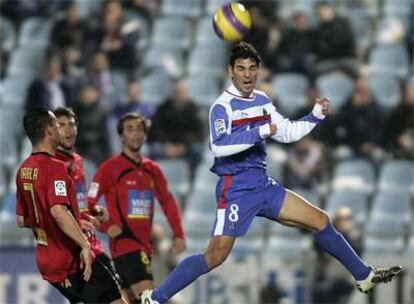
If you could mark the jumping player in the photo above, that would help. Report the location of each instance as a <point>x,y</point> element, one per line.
<point>46,203</point>
<point>129,183</point>
<point>240,121</point>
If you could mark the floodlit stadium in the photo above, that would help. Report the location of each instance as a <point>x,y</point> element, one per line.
<point>163,58</point>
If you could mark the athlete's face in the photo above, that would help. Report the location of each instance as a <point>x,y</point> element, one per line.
<point>244,74</point>
<point>68,131</point>
<point>133,135</point>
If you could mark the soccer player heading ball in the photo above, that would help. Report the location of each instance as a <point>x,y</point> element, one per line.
<point>241,119</point>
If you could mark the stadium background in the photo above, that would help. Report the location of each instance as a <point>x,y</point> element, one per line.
<point>174,39</point>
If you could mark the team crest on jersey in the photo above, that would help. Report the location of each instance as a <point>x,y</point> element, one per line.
<point>60,188</point>
<point>220,126</point>
<point>93,190</point>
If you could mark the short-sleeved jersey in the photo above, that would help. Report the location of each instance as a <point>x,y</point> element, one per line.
<point>74,165</point>
<point>130,189</point>
<point>42,182</point>
<point>235,122</point>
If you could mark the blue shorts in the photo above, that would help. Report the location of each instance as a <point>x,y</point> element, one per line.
<point>243,196</point>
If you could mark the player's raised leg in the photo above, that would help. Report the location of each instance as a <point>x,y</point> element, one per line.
<point>190,269</point>
<point>296,211</point>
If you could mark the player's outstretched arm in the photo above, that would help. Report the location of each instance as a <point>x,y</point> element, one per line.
<point>291,131</point>
<point>68,225</point>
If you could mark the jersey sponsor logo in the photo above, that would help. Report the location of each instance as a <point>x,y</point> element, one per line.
<point>140,203</point>
<point>80,197</point>
<point>60,188</point>
<point>93,190</point>
<point>220,126</point>
<point>239,114</point>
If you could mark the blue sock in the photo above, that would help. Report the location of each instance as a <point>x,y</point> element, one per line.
<point>185,273</point>
<point>332,242</point>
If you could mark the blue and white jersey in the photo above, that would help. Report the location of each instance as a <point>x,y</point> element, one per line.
<point>239,127</point>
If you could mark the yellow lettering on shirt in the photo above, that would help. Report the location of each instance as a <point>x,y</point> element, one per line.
<point>144,258</point>
<point>66,283</point>
<point>29,173</point>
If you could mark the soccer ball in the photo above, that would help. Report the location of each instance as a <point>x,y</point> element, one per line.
<point>232,22</point>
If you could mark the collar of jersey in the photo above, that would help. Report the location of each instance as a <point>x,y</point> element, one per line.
<point>232,90</point>
<point>64,152</point>
<point>136,164</point>
<point>42,153</point>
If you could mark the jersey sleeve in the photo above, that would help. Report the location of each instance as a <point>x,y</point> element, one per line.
<point>290,131</point>
<point>222,141</point>
<point>85,212</point>
<point>20,209</point>
<point>167,202</point>
<point>99,186</point>
<point>57,185</point>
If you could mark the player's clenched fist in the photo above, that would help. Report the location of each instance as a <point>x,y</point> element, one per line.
<point>273,129</point>
<point>324,102</point>
<point>267,130</point>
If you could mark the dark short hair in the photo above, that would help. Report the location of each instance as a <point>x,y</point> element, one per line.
<point>244,50</point>
<point>130,116</point>
<point>67,112</point>
<point>322,3</point>
<point>35,122</point>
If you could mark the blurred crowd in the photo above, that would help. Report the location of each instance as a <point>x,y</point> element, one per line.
<point>93,63</point>
<point>84,59</point>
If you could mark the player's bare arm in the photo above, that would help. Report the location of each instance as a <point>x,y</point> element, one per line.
<point>179,245</point>
<point>114,231</point>
<point>100,213</point>
<point>95,222</point>
<point>88,227</point>
<point>69,226</point>
<point>20,221</point>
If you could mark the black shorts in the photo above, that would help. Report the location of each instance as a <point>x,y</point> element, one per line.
<point>106,260</point>
<point>133,267</point>
<point>101,287</point>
